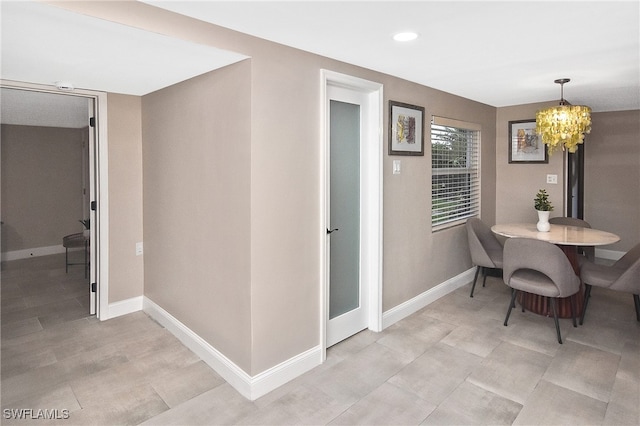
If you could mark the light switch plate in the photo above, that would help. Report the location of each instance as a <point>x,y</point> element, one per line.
<point>138,249</point>
<point>552,178</point>
<point>396,167</point>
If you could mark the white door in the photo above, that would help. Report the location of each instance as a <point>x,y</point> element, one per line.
<point>347,297</point>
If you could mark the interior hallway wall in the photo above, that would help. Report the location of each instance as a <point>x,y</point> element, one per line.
<point>518,183</point>
<point>126,269</point>
<point>270,284</point>
<point>612,176</point>
<point>196,145</point>
<point>41,185</point>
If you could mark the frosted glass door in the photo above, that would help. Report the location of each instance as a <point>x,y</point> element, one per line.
<point>344,288</point>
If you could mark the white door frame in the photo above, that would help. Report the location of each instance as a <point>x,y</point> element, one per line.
<point>99,272</point>
<point>371,204</point>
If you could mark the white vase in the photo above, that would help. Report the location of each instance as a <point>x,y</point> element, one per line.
<point>543,224</point>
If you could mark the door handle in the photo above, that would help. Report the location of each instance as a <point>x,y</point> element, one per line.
<point>332,230</point>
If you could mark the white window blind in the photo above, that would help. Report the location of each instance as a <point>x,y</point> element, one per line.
<point>455,176</point>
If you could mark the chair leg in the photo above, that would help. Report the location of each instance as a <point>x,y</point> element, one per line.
<point>484,276</point>
<point>474,280</point>
<point>511,305</point>
<point>513,299</point>
<point>573,309</point>
<point>587,296</point>
<point>636,302</point>
<point>555,317</point>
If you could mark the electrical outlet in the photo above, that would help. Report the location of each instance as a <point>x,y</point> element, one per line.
<point>138,249</point>
<point>552,179</point>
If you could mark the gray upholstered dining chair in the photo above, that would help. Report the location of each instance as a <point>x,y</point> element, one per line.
<point>624,275</point>
<point>541,268</point>
<point>588,251</point>
<point>485,249</point>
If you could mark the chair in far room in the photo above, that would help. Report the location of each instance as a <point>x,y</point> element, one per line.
<point>624,276</point>
<point>77,240</point>
<point>486,251</point>
<point>539,267</point>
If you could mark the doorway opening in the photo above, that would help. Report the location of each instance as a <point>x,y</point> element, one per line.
<point>352,117</point>
<point>575,183</point>
<point>94,214</point>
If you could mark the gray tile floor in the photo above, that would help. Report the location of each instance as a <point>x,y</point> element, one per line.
<point>451,363</point>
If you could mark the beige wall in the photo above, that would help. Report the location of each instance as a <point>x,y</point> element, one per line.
<point>517,183</point>
<point>196,147</point>
<point>612,176</point>
<point>285,203</point>
<point>41,185</point>
<point>415,258</point>
<point>232,214</point>
<point>231,191</point>
<point>126,279</point>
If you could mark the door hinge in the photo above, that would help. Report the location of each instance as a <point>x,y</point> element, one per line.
<point>93,287</point>
<point>92,121</point>
<point>94,205</point>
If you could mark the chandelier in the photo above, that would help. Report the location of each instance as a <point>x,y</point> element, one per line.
<point>563,126</point>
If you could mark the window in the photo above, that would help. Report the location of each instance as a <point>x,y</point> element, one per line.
<point>455,175</point>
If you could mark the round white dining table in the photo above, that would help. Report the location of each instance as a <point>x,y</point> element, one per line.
<point>565,235</point>
<point>568,238</point>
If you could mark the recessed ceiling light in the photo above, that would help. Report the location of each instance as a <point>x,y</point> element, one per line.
<point>406,36</point>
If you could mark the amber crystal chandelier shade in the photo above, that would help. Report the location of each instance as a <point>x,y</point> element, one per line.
<point>565,125</point>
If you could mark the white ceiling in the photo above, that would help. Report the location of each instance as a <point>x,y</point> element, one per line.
<point>498,53</point>
<point>44,44</point>
<point>24,107</point>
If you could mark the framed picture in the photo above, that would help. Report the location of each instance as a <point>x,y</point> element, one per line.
<point>406,129</point>
<point>525,146</point>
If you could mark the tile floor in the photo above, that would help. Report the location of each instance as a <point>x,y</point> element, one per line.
<point>451,363</point>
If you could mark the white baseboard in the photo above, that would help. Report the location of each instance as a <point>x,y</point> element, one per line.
<point>412,306</point>
<point>251,387</point>
<point>31,252</point>
<point>274,377</point>
<point>609,254</point>
<point>122,307</point>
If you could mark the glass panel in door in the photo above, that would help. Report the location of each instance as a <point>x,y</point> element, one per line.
<point>344,288</point>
